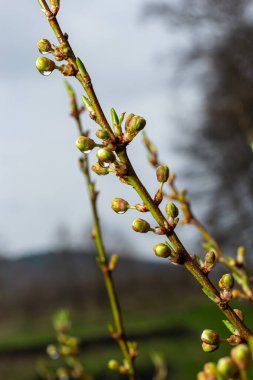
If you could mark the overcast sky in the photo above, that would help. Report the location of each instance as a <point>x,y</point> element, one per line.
<point>41,187</point>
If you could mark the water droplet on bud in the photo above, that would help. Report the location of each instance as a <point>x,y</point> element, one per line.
<point>121,212</point>
<point>45,73</point>
<point>42,52</point>
<point>104,164</point>
<point>86,151</point>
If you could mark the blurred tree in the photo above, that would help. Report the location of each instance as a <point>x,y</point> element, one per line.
<point>220,34</point>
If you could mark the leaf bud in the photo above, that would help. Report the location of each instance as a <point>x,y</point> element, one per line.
<point>106,155</point>
<point>44,46</point>
<point>162,173</point>
<point>85,144</point>
<point>45,65</point>
<point>100,170</point>
<point>114,116</point>
<point>162,250</point>
<point>140,225</point>
<point>210,258</point>
<point>113,365</point>
<point>55,6</point>
<point>102,134</point>
<point>61,321</point>
<point>226,282</point>
<point>119,205</point>
<point>239,314</point>
<point>241,356</point>
<point>227,368</point>
<point>210,337</point>
<point>171,210</point>
<point>240,257</point>
<point>209,347</point>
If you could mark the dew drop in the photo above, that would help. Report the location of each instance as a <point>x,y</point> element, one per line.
<point>45,73</point>
<point>86,151</point>
<point>104,164</point>
<point>42,52</point>
<point>121,212</point>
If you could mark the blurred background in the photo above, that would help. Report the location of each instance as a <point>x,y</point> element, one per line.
<point>187,67</point>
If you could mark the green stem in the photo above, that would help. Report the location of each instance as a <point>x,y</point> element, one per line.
<point>84,80</point>
<point>188,262</point>
<point>102,257</point>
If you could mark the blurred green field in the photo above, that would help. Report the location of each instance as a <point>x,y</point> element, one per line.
<point>173,331</point>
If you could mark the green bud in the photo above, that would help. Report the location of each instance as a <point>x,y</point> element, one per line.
<point>227,368</point>
<point>85,144</point>
<point>140,225</point>
<point>226,282</point>
<point>210,368</point>
<point>52,352</point>
<point>120,205</point>
<point>113,365</point>
<point>162,250</point>
<point>98,169</point>
<point>241,356</point>
<point>239,314</point>
<point>102,134</point>
<point>45,65</point>
<point>61,321</point>
<point>44,46</point>
<point>62,373</point>
<point>134,124</point>
<point>55,6</point>
<point>210,257</point>
<point>210,337</point>
<point>171,210</point>
<point>209,347</point>
<point>202,376</point>
<point>106,155</point>
<point>162,173</point>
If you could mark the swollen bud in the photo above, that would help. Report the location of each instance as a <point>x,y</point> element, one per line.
<point>171,210</point>
<point>119,205</point>
<point>210,369</point>
<point>202,376</point>
<point>102,134</point>
<point>85,144</point>
<point>134,124</point>
<point>162,250</point>
<point>226,282</point>
<point>45,65</point>
<point>106,155</point>
<point>227,368</point>
<point>241,356</point>
<point>210,337</point>
<point>140,225</point>
<point>209,347</point>
<point>162,173</point>
<point>113,365</point>
<point>100,170</point>
<point>44,46</point>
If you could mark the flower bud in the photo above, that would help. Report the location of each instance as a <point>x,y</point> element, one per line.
<point>209,347</point>
<point>227,368</point>
<point>171,210</point>
<point>240,257</point>
<point>162,250</point>
<point>162,173</point>
<point>55,6</point>
<point>44,46</point>
<point>226,282</point>
<point>106,155</point>
<point>241,356</point>
<point>113,365</point>
<point>62,373</point>
<point>98,169</point>
<point>140,225</point>
<point>210,369</point>
<point>210,337</point>
<point>102,134</point>
<point>202,376</point>
<point>85,144</point>
<point>52,352</point>
<point>45,65</point>
<point>210,258</point>
<point>61,321</point>
<point>120,205</point>
<point>134,124</point>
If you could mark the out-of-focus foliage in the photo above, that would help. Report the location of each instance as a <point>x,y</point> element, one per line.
<point>220,58</point>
